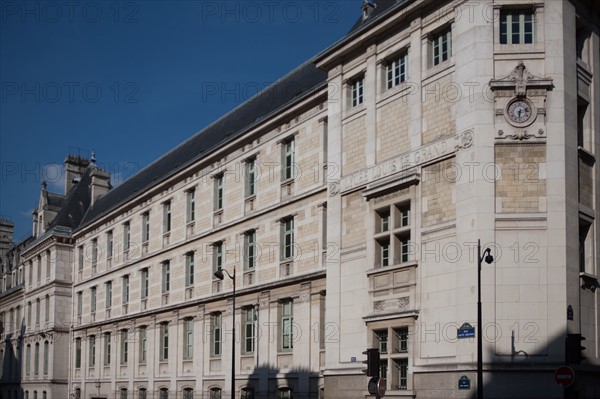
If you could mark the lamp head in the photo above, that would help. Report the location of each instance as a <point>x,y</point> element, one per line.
<point>488,258</point>
<point>219,274</point>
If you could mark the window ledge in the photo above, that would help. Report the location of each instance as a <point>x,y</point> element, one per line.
<point>435,71</point>
<point>352,111</point>
<point>387,269</point>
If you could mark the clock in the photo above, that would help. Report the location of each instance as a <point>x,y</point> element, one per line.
<point>520,112</point>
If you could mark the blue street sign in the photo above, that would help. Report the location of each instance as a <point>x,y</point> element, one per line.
<point>465,331</point>
<point>464,382</point>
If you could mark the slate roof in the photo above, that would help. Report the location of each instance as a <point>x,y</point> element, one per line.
<point>382,7</point>
<point>75,204</point>
<point>295,86</point>
<point>55,201</point>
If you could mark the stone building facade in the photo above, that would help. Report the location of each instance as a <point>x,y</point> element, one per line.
<point>347,200</point>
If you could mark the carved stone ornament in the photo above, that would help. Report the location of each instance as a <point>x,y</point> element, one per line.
<point>520,79</point>
<point>389,305</point>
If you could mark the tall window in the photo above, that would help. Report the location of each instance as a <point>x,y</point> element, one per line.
<point>77,352</point>
<point>188,339</point>
<point>382,340</point>
<point>123,392</point>
<point>215,393</point>
<point>402,337</point>
<point>124,346</point>
<point>93,299</point>
<point>125,294</point>
<point>286,320</point>
<point>92,350</point>
<point>216,335</point>
<point>289,159</point>
<point>48,264</point>
<point>191,205</point>
<point>285,393</point>
<point>251,177</point>
<point>108,296</point>
<point>167,217</point>
<point>107,342</point>
<point>29,305</point>
<point>516,27</point>
<point>219,192</point>
<point>39,269</point>
<point>397,71</point>
<point>145,226</point>
<point>142,340</point>
<point>164,341</point>
<point>142,393</point>
<point>401,379</point>
<point>145,282</point>
<point>94,251</point>
<point>109,244</point>
<point>358,91</point>
<point>217,256</point>
<point>249,333</point>
<point>46,312</point>
<point>441,46</point>
<point>247,393</point>
<point>37,311</point>
<point>188,393</point>
<point>189,269</point>
<point>46,356</point>
<point>27,360</point>
<point>287,232</point>
<point>250,250</point>
<point>166,277</point>
<point>164,393</point>
<point>36,359</point>
<point>126,236</point>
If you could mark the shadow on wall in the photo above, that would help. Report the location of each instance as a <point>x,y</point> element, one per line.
<point>515,382</point>
<point>10,372</point>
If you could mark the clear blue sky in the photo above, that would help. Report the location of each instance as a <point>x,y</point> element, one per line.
<point>132,79</point>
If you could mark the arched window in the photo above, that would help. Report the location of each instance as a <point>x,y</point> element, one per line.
<point>142,393</point>
<point>77,393</point>
<point>28,360</point>
<point>247,393</point>
<point>188,393</point>
<point>36,362</point>
<point>123,393</point>
<point>164,393</point>
<point>215,393</point>
<point>46,355</point>
<point>47,311</point>
<point>285,393</point>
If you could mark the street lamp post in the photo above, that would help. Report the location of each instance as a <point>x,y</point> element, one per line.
<point>488,259</point>
<point>219,274</point>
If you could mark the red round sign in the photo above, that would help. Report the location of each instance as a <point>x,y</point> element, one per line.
<point>564,376</point>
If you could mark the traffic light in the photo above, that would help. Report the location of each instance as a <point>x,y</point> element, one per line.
<point>372,362</point>
<point>573,349</point>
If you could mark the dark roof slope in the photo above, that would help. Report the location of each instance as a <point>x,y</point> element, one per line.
<point>382,7</point>
<point>75,204</point>
<point>55,201</point>
<point>297,84</point>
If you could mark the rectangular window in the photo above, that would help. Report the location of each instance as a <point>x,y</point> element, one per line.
<point>126,236</point>
<point>108,296</point>
<point>36,359</point>
<point>404,211</point>
<point>188,339</point>
<point>441,46</point>
<point>107,349</point>
<point>166,277</point>
<point>125,294</point>
<point>216,335</point>
<point>48,264</point>
<point>124,347</point>
<point>516,27</point>
<point>358,91</point>
<point>145,226</point>
<point>164,342</point>
<point>39,269</point>
<point>37,312</point>
<point>384,252</point>
<point>251,177</point>
<point>382,340</point>
<point>94,252</point>
<point>189,269</point>
<point>46,313</point>
<point>404,242</point>
<point>249,332</point>
<point>27,360</point>
<point>167,217</point>
<point>109,244</point>
<point>79,303</point>
<point>93,299</point>
<point>92,347</point>
<point>289,159</point>
<point>402,336</point>
<point>250,250</point>
<point>219,192</point>
<point>397,71</point>
<point>46,355</point>
<point>142,337</point>
<point>287,239</point>
<point>401,366</point>
<point>77,353</point>
<point>217,256</point>
<point>191,206</point>
<point>286,320</point>
<point>145,282</point>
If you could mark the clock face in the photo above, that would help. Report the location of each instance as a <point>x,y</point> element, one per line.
<point>519,111</point>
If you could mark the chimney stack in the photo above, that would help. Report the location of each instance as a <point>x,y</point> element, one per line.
<point>100,184</point>
<point>75,167</point>
<point>367,8</point>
